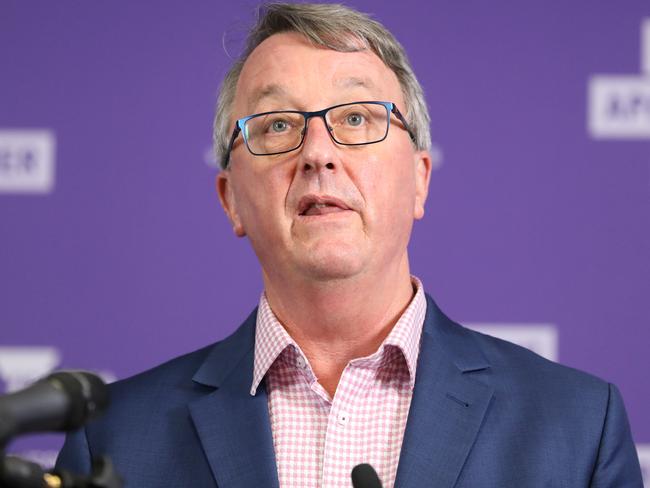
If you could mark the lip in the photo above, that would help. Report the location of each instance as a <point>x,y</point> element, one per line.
<point>309,200</point>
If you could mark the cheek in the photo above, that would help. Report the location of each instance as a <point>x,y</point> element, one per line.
<point>388,188</point>
<point>261,200</point>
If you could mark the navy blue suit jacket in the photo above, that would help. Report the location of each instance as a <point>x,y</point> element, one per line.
<point>484,413</point>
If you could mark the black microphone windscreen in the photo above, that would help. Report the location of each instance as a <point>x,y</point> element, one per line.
<point>87,393</point>
<point>365,476</point>
<point>62,401</point>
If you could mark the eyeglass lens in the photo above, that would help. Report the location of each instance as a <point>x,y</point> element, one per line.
<point>360,123</point>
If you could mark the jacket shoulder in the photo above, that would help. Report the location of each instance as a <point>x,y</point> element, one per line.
<point>513,358</point>
<point>529,377</point>
<point>166,375</point>
<point>187,372</point>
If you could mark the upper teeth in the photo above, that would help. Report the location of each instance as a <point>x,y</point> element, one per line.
<point>320,205</point>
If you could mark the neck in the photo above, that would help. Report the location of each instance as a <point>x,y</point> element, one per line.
<point>336,321</point>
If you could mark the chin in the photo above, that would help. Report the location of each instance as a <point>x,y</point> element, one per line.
<point>332,264</point>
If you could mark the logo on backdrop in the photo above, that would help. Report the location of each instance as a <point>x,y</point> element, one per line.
<point>644,458</point>
<point>619,105</point>
<point>539,338</point>
<point>27,161</point>
<point>22,365</point>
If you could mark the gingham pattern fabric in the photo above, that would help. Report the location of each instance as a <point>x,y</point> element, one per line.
<point>317,439</point>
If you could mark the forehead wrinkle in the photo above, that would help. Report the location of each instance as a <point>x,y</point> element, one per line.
<point>272,90</point>
<point>354,82</point>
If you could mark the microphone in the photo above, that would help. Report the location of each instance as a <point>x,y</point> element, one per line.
<point>365,476</point>
<point>62,401</point>
<point>19,473</point>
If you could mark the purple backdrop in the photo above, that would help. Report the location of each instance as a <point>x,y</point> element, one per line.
<point>122,257</point>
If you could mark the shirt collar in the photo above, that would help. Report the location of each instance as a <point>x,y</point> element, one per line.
<point>271,338</point>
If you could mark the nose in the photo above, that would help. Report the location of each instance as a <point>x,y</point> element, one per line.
<point>319,150</point>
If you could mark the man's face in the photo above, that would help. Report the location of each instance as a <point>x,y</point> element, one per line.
<point>367,196</point>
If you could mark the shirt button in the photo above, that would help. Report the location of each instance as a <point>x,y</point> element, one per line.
<point>343,419</point>
<point>300,362</point>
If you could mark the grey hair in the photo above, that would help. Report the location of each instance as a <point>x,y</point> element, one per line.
<point>335,27</point>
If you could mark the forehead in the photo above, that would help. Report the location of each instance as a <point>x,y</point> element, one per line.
<point>287,71</point>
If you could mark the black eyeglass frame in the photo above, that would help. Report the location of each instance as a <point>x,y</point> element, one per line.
<point>239,126</point>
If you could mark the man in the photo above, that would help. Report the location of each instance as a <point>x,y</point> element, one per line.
<point>323,136</point>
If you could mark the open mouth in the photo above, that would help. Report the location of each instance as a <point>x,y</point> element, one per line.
<point>320,205</point>
<point>321,209</point>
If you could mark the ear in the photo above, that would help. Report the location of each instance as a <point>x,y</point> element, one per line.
<point>228,201</point>
<point>422,161</point>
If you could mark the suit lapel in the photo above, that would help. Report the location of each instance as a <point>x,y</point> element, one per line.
<point>448,405</point>
<point>233,426</point>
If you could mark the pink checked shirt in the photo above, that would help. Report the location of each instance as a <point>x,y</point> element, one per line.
<point>318,439</point>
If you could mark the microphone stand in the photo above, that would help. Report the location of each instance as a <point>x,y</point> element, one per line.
<point>20,473</point>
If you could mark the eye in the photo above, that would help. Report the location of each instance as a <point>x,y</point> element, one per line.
<point>355,119</point>
<point>278,125</point>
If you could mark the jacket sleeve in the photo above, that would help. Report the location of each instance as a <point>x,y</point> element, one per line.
<point>617,465</point>
<point>75,455</point>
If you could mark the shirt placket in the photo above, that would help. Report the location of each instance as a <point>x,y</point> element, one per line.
<point>310,387</point>
<point>341,444</point>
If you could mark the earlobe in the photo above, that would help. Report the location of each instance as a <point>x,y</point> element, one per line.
<point>228,202</point>
<point>422,176</point>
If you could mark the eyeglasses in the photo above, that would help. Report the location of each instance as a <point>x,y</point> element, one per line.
<point>349,124</point>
